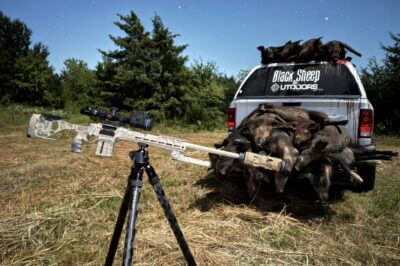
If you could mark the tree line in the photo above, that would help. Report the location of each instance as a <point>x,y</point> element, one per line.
<point>148,71</point>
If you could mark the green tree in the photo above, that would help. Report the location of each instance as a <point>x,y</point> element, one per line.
<point>14,44</point>
<point>147,72</point>
<point>170,74</point>
<point>209,96</point>
<point>79,84</point>
<point>34,80</point>
<point>25,74</point>
<point>382,83</point>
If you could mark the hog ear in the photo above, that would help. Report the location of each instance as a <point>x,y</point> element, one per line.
<point>261,48</point>
<point>321,144</point>
<point>245,131</point>
<point>243,144</point>
<point>283,126</point>
<point>287,129</point>
<point>313,127</point>
<point>224,143</point>
<point>221,144</point>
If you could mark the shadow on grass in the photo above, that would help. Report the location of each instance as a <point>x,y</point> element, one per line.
<point>298,200</point>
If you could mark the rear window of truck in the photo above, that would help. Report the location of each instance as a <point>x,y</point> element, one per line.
<point>300,80</point>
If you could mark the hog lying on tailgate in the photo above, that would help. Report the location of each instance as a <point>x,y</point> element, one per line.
<point>304,130</point>
<point>305,122</point>
<point>329,140</point>
<point>290,114</point>
<point>276,139</point>
<point>259,129</point>
<point>279,144</point>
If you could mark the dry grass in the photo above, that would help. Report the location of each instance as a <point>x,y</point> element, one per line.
<point>60,208</point>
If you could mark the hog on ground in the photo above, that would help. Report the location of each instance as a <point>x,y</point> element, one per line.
<point>235,142</point>
<point>254,179</point>
<point>223,165</point>
<point>319,174</point>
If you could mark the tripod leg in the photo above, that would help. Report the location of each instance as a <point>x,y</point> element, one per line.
<point>136,186</point>
<point>121,218</point>
<point>162,198</point>
<point>118,227</point>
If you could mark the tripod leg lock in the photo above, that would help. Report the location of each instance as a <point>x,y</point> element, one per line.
<point>136,183</point>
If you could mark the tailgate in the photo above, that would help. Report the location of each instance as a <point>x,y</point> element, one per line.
<point>337,109</point>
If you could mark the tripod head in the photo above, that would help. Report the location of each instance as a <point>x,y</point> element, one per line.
<point>140,119</point>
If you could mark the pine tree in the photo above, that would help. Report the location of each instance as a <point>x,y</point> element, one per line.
<point>168,71</point>
<point>146,72</point>
<point>123,72</point>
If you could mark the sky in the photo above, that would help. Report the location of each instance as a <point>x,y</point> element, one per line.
<point>226,32</point>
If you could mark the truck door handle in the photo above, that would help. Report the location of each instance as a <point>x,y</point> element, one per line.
<point>292,104</point>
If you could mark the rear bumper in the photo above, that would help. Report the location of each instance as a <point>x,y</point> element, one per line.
<point>366,146</point>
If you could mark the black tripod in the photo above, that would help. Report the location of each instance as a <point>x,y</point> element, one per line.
<point>131,201</point>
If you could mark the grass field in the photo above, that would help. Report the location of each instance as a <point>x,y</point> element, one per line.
<point>60,208</point>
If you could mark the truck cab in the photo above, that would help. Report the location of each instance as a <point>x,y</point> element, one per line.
<point>335,89</point>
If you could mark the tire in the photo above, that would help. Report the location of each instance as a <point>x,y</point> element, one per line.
<point>367,173</point>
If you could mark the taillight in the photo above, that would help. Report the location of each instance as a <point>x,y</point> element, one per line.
<point>231,119</point>
<point>341,61</point>
<point>366,123</point>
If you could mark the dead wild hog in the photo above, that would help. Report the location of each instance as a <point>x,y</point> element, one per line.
<point>345,159</point>
<point>254,178</point>
<point>319,174</point>
<point>290,114</point>
<point>304,130</point>
<point>235,142</point>
<point>223,165</point>
<point>329,140</point>
<point>279,144</point>
<point>259,129</point>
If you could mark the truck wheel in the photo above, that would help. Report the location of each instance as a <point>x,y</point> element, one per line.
<point>367,172</point>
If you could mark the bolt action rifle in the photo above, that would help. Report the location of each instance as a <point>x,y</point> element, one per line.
<point>106,134</point>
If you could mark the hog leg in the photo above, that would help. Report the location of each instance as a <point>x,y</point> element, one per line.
<point>254,178</point>
<point>322,180</point>
<point>280,181</point>
<point>353,175</point>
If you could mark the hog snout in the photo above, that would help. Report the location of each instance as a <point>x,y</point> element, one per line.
<point>260,142</point>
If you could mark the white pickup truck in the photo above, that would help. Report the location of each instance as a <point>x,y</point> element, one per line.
<point>333,89</point>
